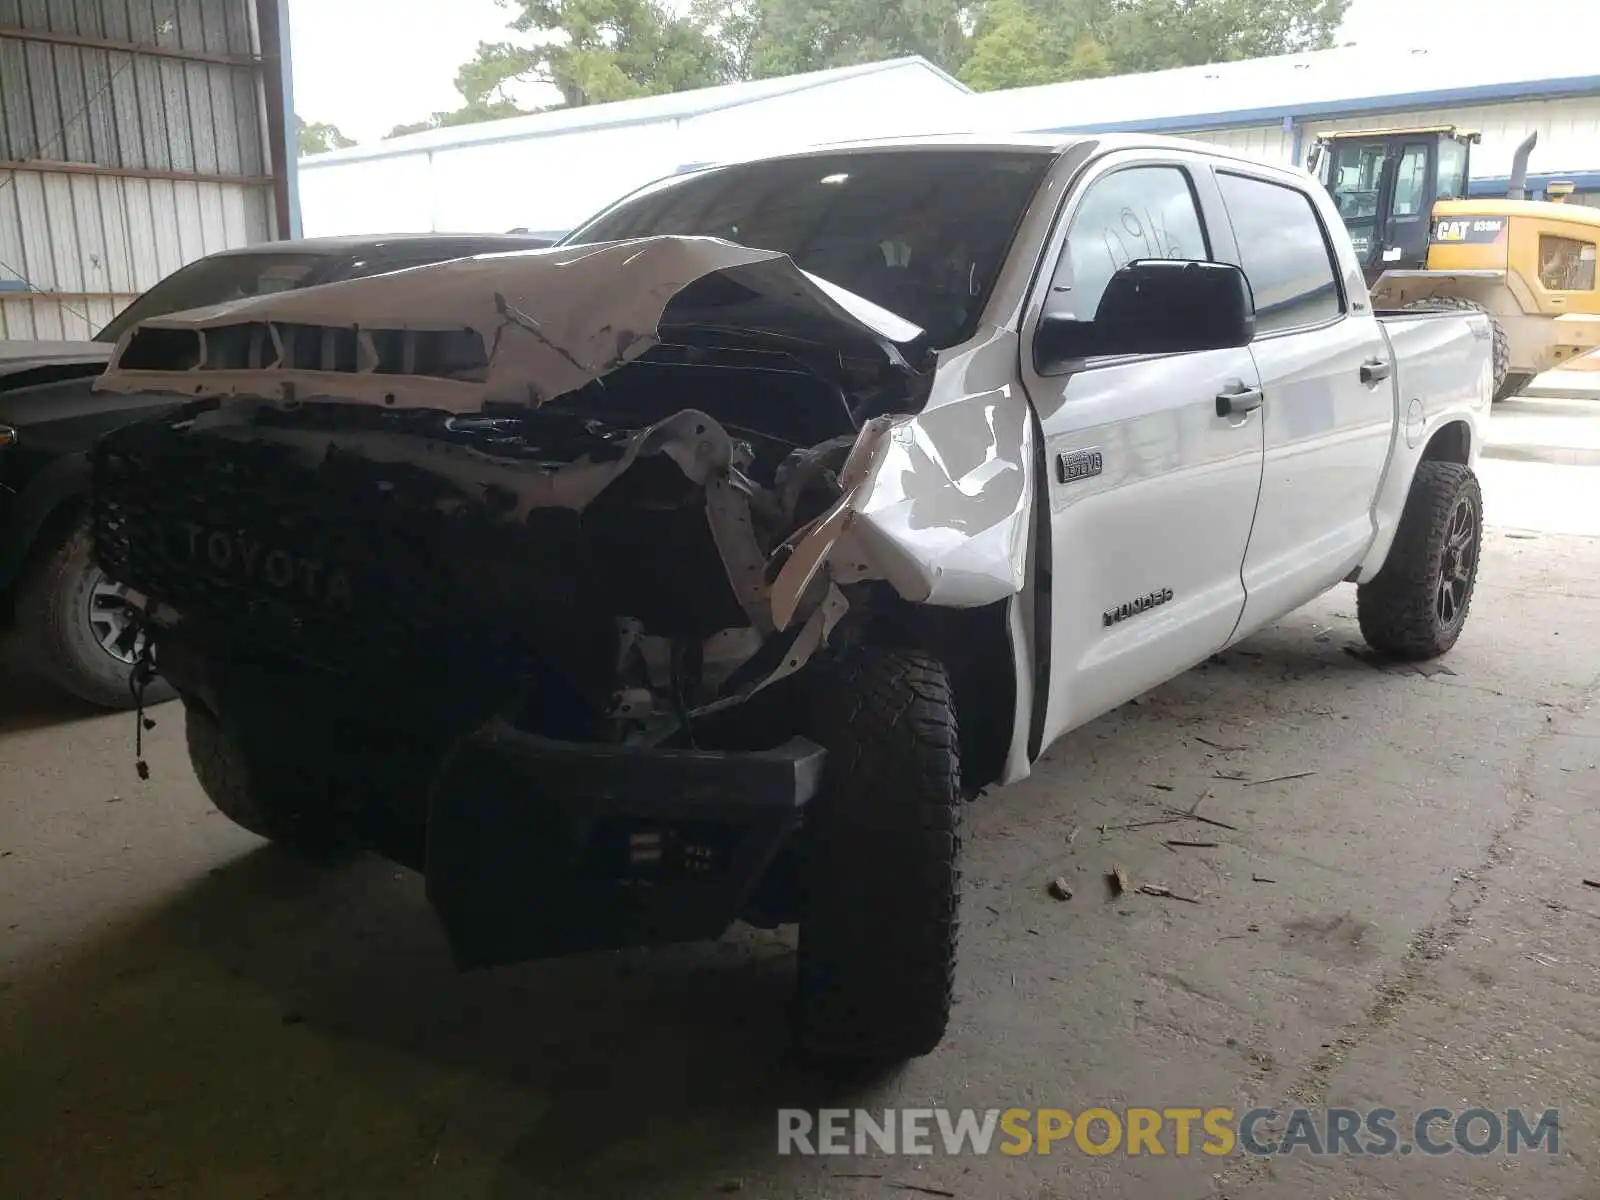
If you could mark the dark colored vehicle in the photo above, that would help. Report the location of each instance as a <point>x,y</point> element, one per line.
<point>68,622</point>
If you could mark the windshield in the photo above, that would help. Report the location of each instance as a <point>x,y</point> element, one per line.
<point>215,280</point>
<point>921,233</point>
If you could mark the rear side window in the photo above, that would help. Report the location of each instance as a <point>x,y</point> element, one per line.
<point>1566,265</point>
<point>1284,251</point>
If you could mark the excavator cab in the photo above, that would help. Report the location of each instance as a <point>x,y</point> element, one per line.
<point>1385,183</point>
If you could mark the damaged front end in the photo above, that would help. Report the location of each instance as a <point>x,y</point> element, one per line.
<point>525,586</point>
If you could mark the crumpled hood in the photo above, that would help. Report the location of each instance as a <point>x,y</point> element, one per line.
<point>514,328</point>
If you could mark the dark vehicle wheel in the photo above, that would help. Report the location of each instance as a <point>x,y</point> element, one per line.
<point>1418,603</point>
<point>1515,382</point>
<point>882,870</point>
<point>75,628</point>
<point>1502,344</point>
<point>272,808</point>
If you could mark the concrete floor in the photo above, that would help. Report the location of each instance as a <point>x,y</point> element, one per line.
<point>185,1013</point>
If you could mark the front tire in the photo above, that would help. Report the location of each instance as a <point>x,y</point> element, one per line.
<point>75,629</point>
<point>265,803</point>
<point>882,872</point>
<point>1416,606</point>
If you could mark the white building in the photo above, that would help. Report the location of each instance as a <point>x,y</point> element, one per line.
<point>548,171</point>
<point>1275,107</point>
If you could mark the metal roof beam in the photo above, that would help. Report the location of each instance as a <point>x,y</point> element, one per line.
<point>44,166</point>
<point>81,41</point>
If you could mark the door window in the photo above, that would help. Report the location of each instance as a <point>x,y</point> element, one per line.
<point>1452,169</point>
<point>1136,213</point>
<point>1411,182</point>
<point>1284,251</point>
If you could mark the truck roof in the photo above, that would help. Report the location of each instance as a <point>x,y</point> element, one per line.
<point>1053,144</point>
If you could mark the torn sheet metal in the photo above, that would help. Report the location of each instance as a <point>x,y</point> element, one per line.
<point>550,322</point>
<point>938,504</point>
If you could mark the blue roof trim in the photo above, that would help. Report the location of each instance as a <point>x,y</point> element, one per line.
<point>1538,89</point>
<point>801,83</point>
<point>1497,185</point>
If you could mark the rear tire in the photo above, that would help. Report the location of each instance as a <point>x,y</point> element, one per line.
<point>1515,382</point>
<point>270,808</point>
<point>882,870</point>
<point>1417,605</point>
<point>70,632</point>
<point>1502,344</point>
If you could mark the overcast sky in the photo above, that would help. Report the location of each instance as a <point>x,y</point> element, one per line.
<point>368,65</point>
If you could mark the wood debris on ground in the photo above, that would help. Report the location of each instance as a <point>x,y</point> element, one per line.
<point>1119,879</point>
<point>1060,889</point>
<point>1280,778</point>
<point>1165,893</point>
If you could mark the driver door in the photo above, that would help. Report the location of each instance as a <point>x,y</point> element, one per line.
<point>1151,491</point>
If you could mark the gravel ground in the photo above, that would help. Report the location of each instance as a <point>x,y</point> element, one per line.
<point>185,1013</point>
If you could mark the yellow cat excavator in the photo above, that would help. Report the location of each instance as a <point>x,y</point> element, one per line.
<point>1531,265</point>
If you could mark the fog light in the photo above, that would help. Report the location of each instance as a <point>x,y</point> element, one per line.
<point>8,436</point>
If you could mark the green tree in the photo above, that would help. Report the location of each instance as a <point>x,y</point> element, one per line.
<point>1021,43</point>
<point>1152,35</point>
<point>318,137</point>
<point>595,51</point>
<point>1016,43</point>
<point>790,36</point>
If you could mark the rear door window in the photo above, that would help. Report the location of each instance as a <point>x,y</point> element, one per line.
<point>1285,252</point>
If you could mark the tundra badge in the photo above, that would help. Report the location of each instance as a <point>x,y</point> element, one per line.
<point>1115,616</point>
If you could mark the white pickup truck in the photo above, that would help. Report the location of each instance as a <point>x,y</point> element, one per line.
<point>704,566</point>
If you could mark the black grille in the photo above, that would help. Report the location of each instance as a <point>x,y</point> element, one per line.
<point>340,560</point>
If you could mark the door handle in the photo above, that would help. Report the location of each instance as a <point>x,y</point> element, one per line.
<point>1245,400</point>
<point>1376,370</point>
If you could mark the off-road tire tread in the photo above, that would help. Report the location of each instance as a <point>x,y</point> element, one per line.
<point>1396,609</point>
<point>225,777</point>
<point>1516,382</point>
<point>47,601</point>
<point>882,854</point>
<point>1500,342</point>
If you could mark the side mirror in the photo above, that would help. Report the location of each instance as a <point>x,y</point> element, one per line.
<point>1155,306</point>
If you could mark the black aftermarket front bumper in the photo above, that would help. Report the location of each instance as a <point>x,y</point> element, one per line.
<point>532,847</point>
<point>538,847</point>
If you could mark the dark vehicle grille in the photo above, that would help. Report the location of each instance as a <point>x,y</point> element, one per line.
<point>373,569</point>
<point>341,562</point>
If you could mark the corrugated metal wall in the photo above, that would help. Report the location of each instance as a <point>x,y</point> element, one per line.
<point>1273,143</point>
<point>133,139</point>
<point>1568,128</point>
